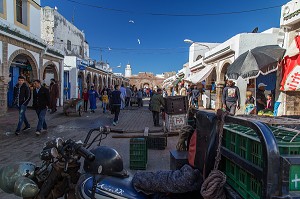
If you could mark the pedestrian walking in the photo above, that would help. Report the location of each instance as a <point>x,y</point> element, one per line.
<point>157,101</point>
<point>22,96</point>
<point>54,95</point>
<point>116,103</point>
<point>93,95</point>
<point>128,96</point>
<point>123,92</point>
<point>261,100</point>
<point>104,101</point>
<point>231,97</point>
<point>85,97</point>
<point>195,96</point>
<point>139,96</point>
<point>41,101</point>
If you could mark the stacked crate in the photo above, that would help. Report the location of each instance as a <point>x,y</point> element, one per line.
<point>244,142</point>
<point>138,154</point>
<point>176,108</point>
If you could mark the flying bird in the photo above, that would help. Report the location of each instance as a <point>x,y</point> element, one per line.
<point>131,21</point>
<point>139,41</point>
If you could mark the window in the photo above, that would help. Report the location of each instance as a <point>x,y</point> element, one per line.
<point>3,9</point>
<point>22,10</point>
<point>69,45</point>
<point>2,6</point>
<point>19,11</point>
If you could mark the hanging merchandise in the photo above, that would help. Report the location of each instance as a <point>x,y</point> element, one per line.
<point>291,70</point>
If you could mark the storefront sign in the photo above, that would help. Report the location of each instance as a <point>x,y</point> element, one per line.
<point>179,120</point>
<point>291,72</point>
<point>82,64</point>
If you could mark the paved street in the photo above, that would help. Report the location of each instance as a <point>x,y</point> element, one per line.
<point>26,146</point>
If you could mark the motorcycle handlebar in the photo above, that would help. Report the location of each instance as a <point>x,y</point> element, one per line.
<point>102,129</point>
<point>84,152</point>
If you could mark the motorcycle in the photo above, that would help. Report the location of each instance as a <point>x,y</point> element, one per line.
<point>59,174</point>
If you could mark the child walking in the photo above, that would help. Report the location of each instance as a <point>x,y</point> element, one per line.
<point>104,101</point>
<point>85,96</point>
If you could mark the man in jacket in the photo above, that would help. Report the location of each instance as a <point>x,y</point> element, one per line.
<point>231,97</point>
<point>128,96</point>
<point>22,96</point>
<point>116,103</point>
<point>54,95</point>
<point>157,100</point>
<point>195,95</point>
<point>41,99</point>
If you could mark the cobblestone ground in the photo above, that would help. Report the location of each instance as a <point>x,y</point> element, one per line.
<point>27,146</point>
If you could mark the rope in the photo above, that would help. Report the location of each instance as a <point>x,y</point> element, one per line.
<point>212,187</point>
<point>185,131</point>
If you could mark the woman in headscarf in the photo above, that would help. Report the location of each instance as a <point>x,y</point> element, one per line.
<point>93,95</point>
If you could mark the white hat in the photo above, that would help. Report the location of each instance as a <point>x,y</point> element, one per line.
<point>261,84</point>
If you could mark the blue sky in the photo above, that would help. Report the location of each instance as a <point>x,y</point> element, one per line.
<point>161,37</point>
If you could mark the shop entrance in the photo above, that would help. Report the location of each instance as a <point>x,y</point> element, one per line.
<point>20,65</point>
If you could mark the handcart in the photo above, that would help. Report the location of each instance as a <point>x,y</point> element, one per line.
<point>73,105</point>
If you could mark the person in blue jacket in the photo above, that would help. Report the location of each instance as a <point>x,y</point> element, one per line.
<point>93,95</point>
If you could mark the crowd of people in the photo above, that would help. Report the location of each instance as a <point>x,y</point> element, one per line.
<point>117,98</point>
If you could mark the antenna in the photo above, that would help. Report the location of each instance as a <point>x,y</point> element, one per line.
<point>100,54</point>
<point>73,15</point>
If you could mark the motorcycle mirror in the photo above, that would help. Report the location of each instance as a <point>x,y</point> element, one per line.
<point>54,152</point>
<point>59,142</point>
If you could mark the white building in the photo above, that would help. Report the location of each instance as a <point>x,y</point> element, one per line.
<point>128,71</point>
<point>79,70</point>
<point>212,66</point>
<point>24,52</point>
<point>289,99</point>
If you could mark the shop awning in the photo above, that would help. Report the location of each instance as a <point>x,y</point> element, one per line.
<point>201,75</point>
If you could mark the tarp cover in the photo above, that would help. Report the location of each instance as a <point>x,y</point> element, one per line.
<point>179,181</point>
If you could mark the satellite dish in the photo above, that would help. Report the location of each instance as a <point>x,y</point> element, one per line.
<point>255,30</point>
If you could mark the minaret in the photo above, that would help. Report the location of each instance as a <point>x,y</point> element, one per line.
<point>128,71</point>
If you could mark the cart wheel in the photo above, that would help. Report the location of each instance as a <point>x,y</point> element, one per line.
<point>80,111</point>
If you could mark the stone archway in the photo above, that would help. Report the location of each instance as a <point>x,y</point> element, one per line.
<point>88,81</point>
<point>20,62</point>
<point>100,81</point>
<point>48,71</point>
<point>95,82</point>
<point>80,83</point>
<point>220,85</point>
<point>33,63</point>
<point>105,81</point>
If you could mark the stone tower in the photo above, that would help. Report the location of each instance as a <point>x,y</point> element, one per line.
<point>128,71</point>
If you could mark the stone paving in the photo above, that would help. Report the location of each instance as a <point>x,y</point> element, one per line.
<point>27,146</point>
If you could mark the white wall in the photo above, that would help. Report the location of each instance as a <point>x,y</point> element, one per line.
<point>9,11</point>
<point>63,31</point>
<point>35,18</point>
<point>71,66</point>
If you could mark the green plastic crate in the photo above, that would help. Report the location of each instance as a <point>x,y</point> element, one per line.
<point>288,142</point>
<point>138,154</point>
<point>242,181</point>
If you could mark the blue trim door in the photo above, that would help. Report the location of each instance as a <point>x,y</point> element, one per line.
<point>14,73</point>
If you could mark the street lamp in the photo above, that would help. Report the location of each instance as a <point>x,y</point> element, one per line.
<point>192,42</point>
